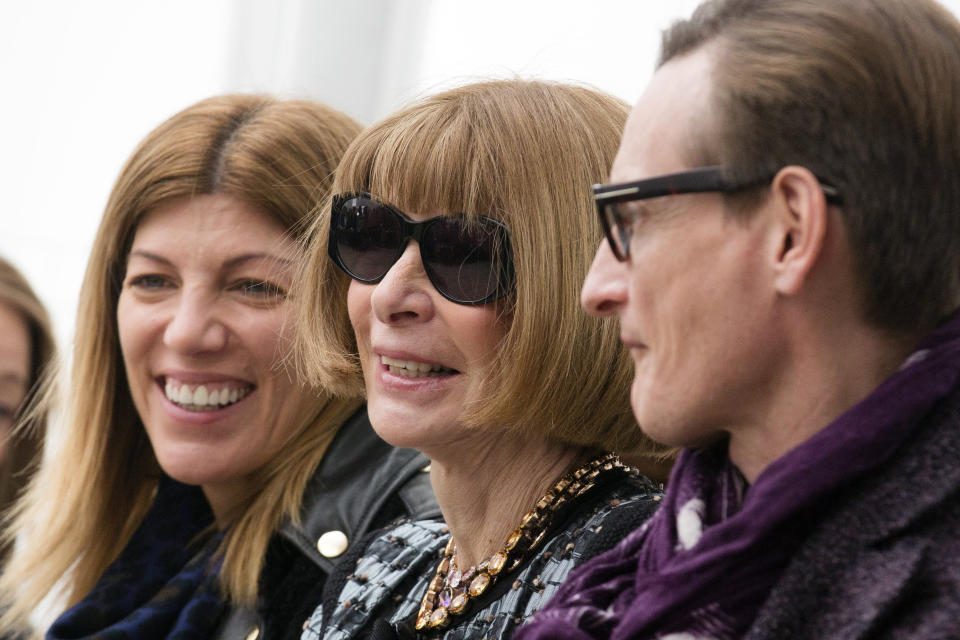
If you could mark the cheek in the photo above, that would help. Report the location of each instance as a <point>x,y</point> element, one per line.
<point>359,310</point>
<point>130,331</point>
<point>478,333</point>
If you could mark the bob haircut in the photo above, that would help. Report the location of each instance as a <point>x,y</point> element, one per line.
<point>88,499</point>
<point>865,94</point>
<point>26,441</point>
<point>524,153</point>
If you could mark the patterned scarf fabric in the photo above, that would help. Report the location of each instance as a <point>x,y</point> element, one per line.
<point>163,585</point>
<point>704,564</point>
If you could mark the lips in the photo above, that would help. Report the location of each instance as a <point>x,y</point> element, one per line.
<point>209,396</point>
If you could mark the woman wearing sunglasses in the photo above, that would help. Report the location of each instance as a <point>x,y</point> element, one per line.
<point>196,468</point>
<point>452,256</point>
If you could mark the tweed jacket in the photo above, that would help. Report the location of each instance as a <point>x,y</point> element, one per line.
<point>390,579</point>
<point>884,560</point>
<point>361,485</point>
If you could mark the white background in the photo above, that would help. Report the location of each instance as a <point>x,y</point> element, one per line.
<point>83,82</point>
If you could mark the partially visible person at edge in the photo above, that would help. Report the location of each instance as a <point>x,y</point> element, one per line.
<point>196,470</point>
<point>460,232</point>
<point>790,303</point>
<point>27,353</point>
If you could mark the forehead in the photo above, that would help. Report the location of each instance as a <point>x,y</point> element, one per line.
<point>669,121</point>
<point>210,225</point>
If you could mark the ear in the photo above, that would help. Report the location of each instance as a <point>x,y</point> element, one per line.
<point>802,223</point>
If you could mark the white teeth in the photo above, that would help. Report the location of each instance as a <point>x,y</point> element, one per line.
<point>414,369</point>
<point>201,398</point>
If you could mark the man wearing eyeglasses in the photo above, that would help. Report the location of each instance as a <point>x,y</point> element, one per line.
<point>783,253</point>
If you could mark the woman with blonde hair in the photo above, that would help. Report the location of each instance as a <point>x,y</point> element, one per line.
<point>27,351</point>
<point>450,260</point>
<point>195,469</point>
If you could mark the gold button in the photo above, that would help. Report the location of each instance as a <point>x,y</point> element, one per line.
<point>254,634</point>
<point>332,544</point>
<point>426,469</point>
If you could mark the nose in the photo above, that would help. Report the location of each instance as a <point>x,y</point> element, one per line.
<point>404,294</point>
<point>605,290</point>
<point>196,327</point>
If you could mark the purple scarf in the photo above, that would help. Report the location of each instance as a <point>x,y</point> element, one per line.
<point>705,563</point>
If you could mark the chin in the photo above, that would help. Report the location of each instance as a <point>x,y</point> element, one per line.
<point>196,468</point>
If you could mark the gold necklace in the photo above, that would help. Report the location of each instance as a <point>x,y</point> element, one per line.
<point>451,589</point>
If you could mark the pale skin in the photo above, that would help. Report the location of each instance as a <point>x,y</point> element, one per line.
<point>485,479</point>
<point>204,304</point>
<point>748,327</point>
<point>483,496</point>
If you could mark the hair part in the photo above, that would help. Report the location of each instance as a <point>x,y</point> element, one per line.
<point>524,153</point>
<point>825,84</point>
<point>89,498</point>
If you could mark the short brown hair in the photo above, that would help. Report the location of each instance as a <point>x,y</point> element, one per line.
<point>866,94</point>
<point>525,153</point>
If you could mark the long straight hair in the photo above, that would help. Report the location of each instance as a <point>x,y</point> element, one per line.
<point>92,492</point>
<point>25,442</point>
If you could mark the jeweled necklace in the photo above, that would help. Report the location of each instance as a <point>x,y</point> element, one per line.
<point>452,589</point>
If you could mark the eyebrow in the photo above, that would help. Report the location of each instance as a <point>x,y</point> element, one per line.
<point>232,262</point>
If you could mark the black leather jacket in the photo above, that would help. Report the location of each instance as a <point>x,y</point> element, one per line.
<point>362,484</point>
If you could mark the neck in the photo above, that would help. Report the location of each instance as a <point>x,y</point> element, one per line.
<point>224,499</point>
<point>831,373</point>
<point>484,494</point>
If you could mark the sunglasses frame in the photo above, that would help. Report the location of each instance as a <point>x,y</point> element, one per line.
<point>699,180</point>
<point>415,230</point>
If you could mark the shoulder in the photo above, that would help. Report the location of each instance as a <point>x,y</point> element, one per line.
<point>619,510</point>
<point>886,549</point>
<point>384,576</point>
<point>361,485</point>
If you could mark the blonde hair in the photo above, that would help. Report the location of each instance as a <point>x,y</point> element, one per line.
<point>26,440</point>
<point>525,153</point>
<point>86,502</point>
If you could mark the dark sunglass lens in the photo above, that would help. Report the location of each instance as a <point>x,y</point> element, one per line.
<point>465,260</point>
<point>368,237</point>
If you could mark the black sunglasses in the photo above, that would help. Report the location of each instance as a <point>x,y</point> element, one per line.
<point>617,221</point>
<point>468,261</point>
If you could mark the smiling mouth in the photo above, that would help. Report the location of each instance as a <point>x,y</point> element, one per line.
<point>211,396</point>
<point>414,369</point>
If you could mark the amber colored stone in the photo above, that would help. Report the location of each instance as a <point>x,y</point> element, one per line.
<point>459,603</point>
<point>497,562</point>
<point>439,618</point>
<point>479,584</point>
<point>423,617</point>
<point>514,539</point>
